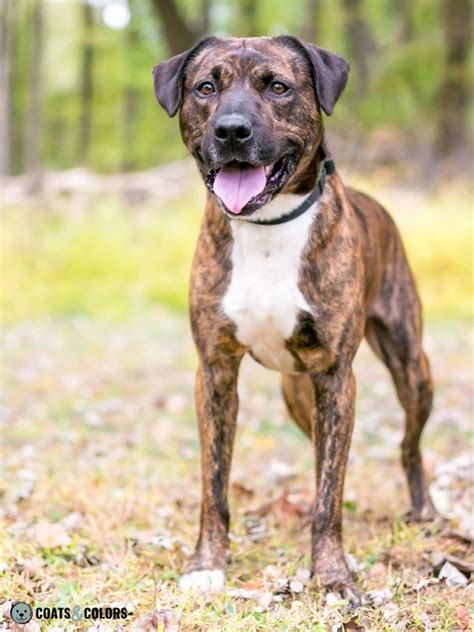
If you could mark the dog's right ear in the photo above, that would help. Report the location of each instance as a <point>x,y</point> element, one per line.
<point>168,77</point>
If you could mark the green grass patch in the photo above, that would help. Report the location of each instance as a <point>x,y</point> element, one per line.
<point>108,260</point>
<point>105,260</point>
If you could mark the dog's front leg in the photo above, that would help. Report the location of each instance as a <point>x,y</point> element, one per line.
<point>332,431</point>
<point>216,404</point>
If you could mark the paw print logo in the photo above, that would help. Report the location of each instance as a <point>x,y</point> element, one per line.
<point>21,612</point>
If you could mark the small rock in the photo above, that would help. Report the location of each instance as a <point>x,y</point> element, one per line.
<point>353,564</point>
<point>281,585</point>
<point>454,578</point>
<point>244,593</point>
<point>390,611</point>
<point>296,586</point>
<point>72,520</point>
<point>379,597</point>
<point>270,571</point>
<point>303,574</point>
<point>93,419</point>
<point>332,599</point>
<point>265,600</point>
<point>281,471</point>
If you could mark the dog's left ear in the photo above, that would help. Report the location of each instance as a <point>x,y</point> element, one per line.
<point>168,78</point>
<point>330,72</point>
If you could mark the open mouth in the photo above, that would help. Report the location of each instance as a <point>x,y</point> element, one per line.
<point>244,188</point>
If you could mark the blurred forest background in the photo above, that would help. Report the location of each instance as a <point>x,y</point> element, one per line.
<point>76,89</point>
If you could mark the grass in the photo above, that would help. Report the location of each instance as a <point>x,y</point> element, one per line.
<point>101,442</point>
<point>104,259</point>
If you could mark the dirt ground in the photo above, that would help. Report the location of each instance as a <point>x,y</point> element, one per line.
<point>100,488</point>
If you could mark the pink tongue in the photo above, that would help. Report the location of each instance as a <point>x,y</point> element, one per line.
<point>236,185</point>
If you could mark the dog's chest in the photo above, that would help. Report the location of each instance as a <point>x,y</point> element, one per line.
<point>263,298</point>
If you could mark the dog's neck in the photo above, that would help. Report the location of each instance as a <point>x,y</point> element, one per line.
<point>281,205</point>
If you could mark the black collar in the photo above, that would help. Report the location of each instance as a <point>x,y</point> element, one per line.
<point>327,168</point>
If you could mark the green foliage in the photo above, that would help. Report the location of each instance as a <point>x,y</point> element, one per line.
<point>104,261</point>
<point>109,261</point>
<point>404,76</point>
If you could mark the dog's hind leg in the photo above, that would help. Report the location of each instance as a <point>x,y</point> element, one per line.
<point>298,393</point>
<point>397,342</point>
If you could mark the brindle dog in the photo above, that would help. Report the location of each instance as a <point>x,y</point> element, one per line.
<point>298,295</point>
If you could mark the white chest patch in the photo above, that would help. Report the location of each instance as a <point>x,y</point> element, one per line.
<point>263,298</point>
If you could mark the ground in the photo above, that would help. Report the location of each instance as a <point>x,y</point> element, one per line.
<point>100,488</point>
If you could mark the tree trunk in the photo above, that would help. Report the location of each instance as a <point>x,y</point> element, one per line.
<point>249,14</point>
<point>131,100</point>
<point>178,34</point>
<point>87,82</point>
<point>6,87</point>
<point>310,31</point>
<point>453,97</point>
<point>360,43</point>
<point>34,111</point>
<point>206,7</point>
<point>405,33</point>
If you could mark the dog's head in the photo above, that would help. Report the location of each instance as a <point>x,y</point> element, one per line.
<point>250,112</point>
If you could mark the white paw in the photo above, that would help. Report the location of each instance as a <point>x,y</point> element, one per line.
<point>202,581</point>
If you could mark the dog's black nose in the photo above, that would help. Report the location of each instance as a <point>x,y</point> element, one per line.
<point>232,130</point>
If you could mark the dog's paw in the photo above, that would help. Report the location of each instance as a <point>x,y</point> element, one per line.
<point>201,582</point>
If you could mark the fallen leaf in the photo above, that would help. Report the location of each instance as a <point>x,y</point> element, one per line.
<point>251,585</point>
<point>32,567</point>
<point>50,535</point>
<point>378,573</point>
<point>353,625</point>
<point>158,621</point>
<point>424,583</point>
<point>271,571</point>
<point>243,593</point>
<point>288,505</point>
<point>458,534</point>
<point>241,491</point>
<point>463,618</point>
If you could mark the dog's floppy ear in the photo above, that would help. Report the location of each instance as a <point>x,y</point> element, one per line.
<point>168,78</point>
<point>330,72</point>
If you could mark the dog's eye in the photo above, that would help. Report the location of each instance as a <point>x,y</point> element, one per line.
<point>278,87</point>
<point>206,88</point>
